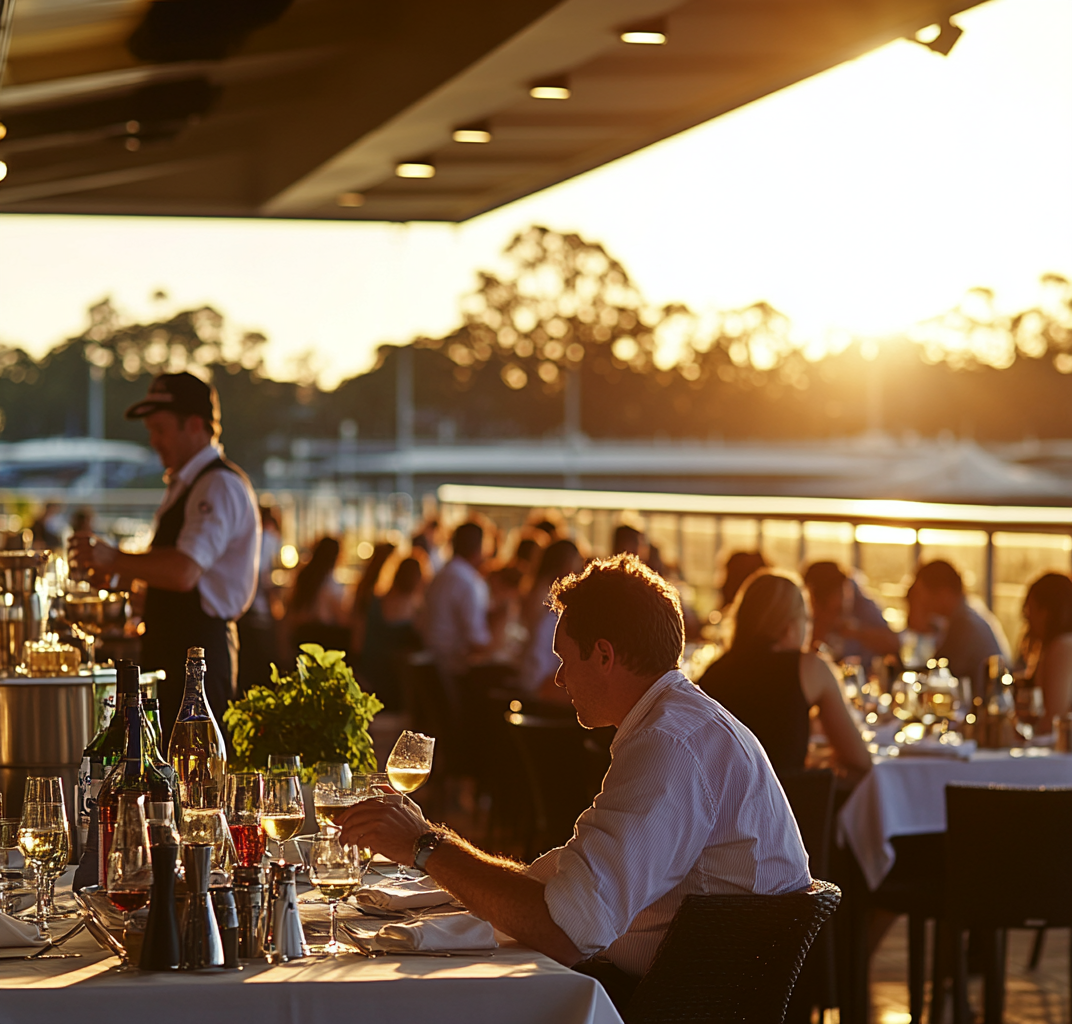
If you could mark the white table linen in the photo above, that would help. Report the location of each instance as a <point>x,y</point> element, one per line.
<point>516,985</point>
<point>906,797</point>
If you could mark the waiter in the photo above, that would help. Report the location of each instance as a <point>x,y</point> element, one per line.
<point>201,568</point>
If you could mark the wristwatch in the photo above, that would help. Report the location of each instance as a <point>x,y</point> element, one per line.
<point>422,849</point>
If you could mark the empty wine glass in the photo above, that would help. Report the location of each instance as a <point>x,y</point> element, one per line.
<point>335,869</point>
<point>408,769</point>
<point>244,801</point>
<point>284,810</point>
<point>9,831</point>
<point>284,764</point>
<point>130,866</point>
<point>45,842</point>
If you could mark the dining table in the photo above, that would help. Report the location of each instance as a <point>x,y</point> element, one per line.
<point>905,796</point>
<point>510,983</point>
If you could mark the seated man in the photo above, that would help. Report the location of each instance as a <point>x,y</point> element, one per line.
<point>968,638</point>
<point>844,619</point>
<point>690,803</point>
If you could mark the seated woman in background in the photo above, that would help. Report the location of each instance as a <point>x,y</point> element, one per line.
<point>391,631</point>
<point>538,663</point>
<point>769,682</point>
<point>1047,644</point>
<point>316,614</point>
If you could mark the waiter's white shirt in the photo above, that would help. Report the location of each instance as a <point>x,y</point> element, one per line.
<point>456,610</point>
<point>690,804</point>
<point>221,533</point>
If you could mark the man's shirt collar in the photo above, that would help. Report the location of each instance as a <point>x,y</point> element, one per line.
<point>193,465</point>
<point>675,677</point>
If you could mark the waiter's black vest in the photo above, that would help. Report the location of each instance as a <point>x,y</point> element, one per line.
<point>175,621</point>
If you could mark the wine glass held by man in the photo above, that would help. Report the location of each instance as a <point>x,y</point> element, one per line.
<point>335,868</point>
<point>408,768</point>
<point>44,840</point>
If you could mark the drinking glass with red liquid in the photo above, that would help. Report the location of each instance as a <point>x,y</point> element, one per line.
<point>130,866</point>
<point>244,805</point>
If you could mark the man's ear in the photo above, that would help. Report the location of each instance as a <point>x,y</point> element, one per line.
<point>604,651</point>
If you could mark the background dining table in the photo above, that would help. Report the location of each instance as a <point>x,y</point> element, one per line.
<point>905,796</point>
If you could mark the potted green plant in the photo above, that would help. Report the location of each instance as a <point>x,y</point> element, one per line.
<point>317,711</point>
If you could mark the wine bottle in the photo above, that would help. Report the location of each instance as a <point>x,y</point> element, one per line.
<point>98,759</point>
<point>196,751</point>
<point>151,737</point>
<point>135,773</point>
<point>91,773</point>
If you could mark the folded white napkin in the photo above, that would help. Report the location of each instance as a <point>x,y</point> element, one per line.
<point>402,895</point>
<point>19,933</point>
<point>932,747</point>
<point>439,932</point>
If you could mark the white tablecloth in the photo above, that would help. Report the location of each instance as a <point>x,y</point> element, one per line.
<point>905,796</point>
<point>516,985</point>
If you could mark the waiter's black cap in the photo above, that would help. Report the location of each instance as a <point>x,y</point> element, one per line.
<point>180,393</point>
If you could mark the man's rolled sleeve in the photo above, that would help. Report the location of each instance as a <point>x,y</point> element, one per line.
<point>213,504</point>
<point>641,837</point>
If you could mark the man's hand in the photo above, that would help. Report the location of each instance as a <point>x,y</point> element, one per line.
<point>388,828</point>
<point>89,553</point>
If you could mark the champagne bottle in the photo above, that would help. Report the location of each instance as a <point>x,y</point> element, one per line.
<point>135,773</point>
<point>196,751</point>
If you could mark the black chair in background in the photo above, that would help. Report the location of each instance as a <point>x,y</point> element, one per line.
<point>1008,857</point>
<point>563,767</point>
<point>811,796</point>
<point>731,958</point>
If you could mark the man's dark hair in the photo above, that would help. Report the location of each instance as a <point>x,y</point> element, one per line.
<point>627,539</point>
<point>468,540</point>
<point>622,601</point>
<point>940,575</point>
<point>824,579</point>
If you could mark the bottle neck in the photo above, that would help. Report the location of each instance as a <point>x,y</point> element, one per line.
<point>194,705</point>
<point>132,762</point>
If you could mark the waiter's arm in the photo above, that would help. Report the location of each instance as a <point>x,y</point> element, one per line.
<point>165,568</point>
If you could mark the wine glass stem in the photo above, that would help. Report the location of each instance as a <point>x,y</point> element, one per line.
<point>334,944</point>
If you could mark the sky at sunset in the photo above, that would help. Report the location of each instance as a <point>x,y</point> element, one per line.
<point>861,200</point>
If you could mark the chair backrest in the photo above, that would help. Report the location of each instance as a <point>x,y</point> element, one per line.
<point>1009,855</point>
<point>811,796</point>
<point>732,958</point>
<point>561,775</point>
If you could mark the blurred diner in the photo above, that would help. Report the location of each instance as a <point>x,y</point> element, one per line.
<point>1046,649</point>
<point>317,606</point>
<point>770,681</point>
<point>967,636</point>
<point>845,621</point>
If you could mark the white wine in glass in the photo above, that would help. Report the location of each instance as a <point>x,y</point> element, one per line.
<point>335,869</point>
<point>408,769</point>
<point>284,809</point>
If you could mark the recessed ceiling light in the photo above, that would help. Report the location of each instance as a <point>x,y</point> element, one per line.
<point>3,129</point>
<point>3,170</point>
<point>132,144</point>
<point>350,199</point>
<point>416,169</point>
<point>133,127</point>
<point>644,33</point>
<point>471,135</point>
<point>550,92</point>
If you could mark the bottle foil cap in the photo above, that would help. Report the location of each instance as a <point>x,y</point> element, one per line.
<point>195,652</point>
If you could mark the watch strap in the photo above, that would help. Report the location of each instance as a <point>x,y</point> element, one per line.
<point>424,847</point>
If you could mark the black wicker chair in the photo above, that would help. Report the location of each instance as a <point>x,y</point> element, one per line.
<point>1008,851</point>
<point>731,958</point>
<point>811,796</point>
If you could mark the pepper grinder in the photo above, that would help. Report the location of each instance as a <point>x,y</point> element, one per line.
<point>160,950</point>
<point>201,945</point>
<point>252,915</point>
<point>223,902</point>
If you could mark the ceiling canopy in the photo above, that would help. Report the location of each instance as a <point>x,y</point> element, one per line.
<point>385,109</point>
